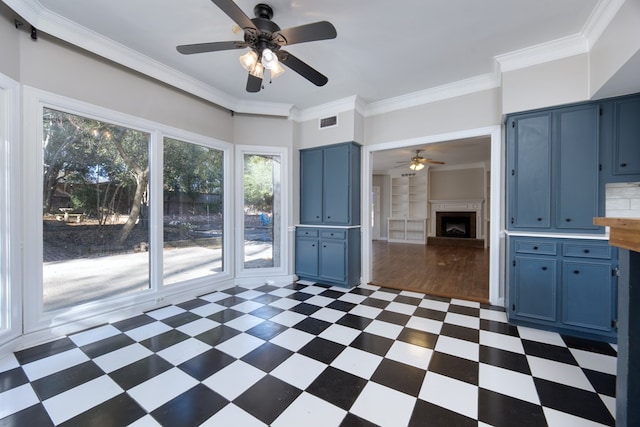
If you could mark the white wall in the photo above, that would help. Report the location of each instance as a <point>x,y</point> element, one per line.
<point>456,184</point>
<point>9,52</point>
<point>310,135</point>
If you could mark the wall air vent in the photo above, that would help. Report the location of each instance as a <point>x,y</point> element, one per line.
<point>328,122</point>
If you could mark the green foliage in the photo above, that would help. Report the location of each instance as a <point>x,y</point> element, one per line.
<point>258,182</point>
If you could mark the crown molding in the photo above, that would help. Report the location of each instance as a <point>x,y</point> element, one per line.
<point>543,52</point>
<point>330,108</point>
<point>600,18</point>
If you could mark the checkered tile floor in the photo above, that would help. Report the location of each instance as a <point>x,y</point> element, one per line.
<point>311,355</point>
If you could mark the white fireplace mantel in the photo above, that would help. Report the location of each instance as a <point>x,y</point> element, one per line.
<point>458,205</point>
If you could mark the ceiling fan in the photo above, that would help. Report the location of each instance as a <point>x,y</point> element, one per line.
<point>417,162</point>
<point>265,40</point>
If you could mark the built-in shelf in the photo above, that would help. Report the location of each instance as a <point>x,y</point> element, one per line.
<point>408,221</point>
<point>407,230</point>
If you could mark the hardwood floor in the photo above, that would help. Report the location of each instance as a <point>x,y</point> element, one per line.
<point>448,271</point>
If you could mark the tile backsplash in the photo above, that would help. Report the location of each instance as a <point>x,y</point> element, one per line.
<point>623,200</point>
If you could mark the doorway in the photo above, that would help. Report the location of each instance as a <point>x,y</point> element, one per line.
<point>492,260</point>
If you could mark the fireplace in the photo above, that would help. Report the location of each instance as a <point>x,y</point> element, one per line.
<point>456,224</point>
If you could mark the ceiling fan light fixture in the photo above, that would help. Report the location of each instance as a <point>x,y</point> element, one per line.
<point>258,70</point>
<point>249,60</point>
<point>269,59</point>
<point>416,166</point>
<point>276,70</point>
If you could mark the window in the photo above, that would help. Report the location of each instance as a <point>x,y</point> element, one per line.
<point>193,198</point>
<point>95,200</point>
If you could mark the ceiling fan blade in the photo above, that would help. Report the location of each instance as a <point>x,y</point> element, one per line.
<point>234,12</point>
<point>254,84</point>
<point>188,49</point>
<point>434,162</point>
<point>302,68</point>
<point>322,30</point>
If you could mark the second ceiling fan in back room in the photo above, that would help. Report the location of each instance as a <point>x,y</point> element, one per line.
<point>265,40</point>
<point>417,162</point>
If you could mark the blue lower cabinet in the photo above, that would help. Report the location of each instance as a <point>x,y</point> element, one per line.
<point>328,255</point>
<point>565,285</point>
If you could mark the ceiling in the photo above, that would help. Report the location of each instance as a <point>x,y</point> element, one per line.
<point>384,51</point>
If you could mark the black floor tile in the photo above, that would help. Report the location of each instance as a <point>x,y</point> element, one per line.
<point>206,364</point>
<point>463,309</point>
<point>581,403</point>
<point>454,367</point>
<point>353,321</point>
<point>234,290</point>
<point>44,350</point>
<point>217,335</point>
<point>351,420</point>
<point>342,306</point>
<point>267,288</point>
<point>164,340</point>
<point>361,291</point>
<point>190,408</point>
<point>504,359</point>
<point>407,300</point>
<point>548,351</point>
<point>12,378</point>
<point>267,330</point>
<point>460,332</point>
<point>429,313</point>
<point>300,296</point>
<point>107,345</point>
<point>66,379</point>
<point>390,290</point>
<point>181,319</point>
<point>138,372</point>
<point>312,326</point>
<point>121,410</point>
<point>499,327</point>
<point>191,304</point>
<point>267,357</point>
<point>393,317</point>
<point>34,415</point>
<point>337,387</point>
<point>428,414</point>
<point>266,299</point>
<point>416,337</point>
<point>231,301</point>
<point>225,316</point>
<point>304,308</point>
<point>134,322</point>
<point>601,382</point>
<point>266,312</point>
<point>399,376</point>
<point>267,398</point>
<point>372,343</point>
<point>589,345</point>
<point>375,302</point>
<point>322,350</point>
<point>499,410</point>
<point>329,293</point>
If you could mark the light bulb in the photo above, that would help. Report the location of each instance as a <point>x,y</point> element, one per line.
<point>249,60</point>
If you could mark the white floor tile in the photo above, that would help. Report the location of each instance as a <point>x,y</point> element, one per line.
<point>465,303</point>
<point>52,364</point>
<point>412,294</point>
<point>402,308</point>
<point>455,347</point>
<point>313,290</point>
<point>462,320</point>
<point>250,294</point>
<point>340,334</point>
<point>8,362</point>
<point>16,399</point>
<point>288,318</point>
<point>387,296</point>
<point>72,402</point>
<point>282,292</point>
<point>299,371</point>
<point>539,335</point>
<point>501,341</point>
<point>384,329</point>
<point>149,330</point>
<point>231,415</point>
<point>285,303</point>
<point>247,306</point>
<point>244,322</point>
<point>146,421</point>
<point>166,312</point>
<point>426,325</point>
<point>457,396</point>
<point>352,298</point>
<point>383,406</point>
<point>214,296</point>
<point>208,309</point>
<point>121,357</point>
<point>434,305</point>
<point>357,362</point>
<point>494,315</point>
<point>509,383</point>
<point>198,326</point>
<point>595,361</point>
<point>319,300</point>
<point>240,345</point>
<point>93,335</point>
<point>562,419</point>
<point>610,403</point>
<point>559,372</point>
<point>310,411</point>
<point>162,388</point>
<point>410,354</point>
<point>183,351</point>
<point>328,314</point>
<point>365,311</point>
<point>369,287</point>
<point>233,380</point>
<point>292,339</point>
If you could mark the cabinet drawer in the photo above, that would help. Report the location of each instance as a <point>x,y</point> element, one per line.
<point>535,247</point>
<point>585,250</point>
<point>306,232</point>
<point>333,234</point>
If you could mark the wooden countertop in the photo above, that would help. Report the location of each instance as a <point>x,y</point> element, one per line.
<point>624,232</point>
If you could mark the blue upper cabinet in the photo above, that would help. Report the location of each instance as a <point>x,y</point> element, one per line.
<point>330,185</point>
<point>620,136</point>
<point>553,169</point>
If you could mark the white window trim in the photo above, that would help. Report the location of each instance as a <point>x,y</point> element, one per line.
<point>255,276</point>
<point>40,325</point>
<point>10,220</point>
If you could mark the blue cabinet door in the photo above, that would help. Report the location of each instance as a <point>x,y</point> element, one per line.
<point>307,257</point>
<point>529,174</point>
<point>336,174</point>
<point>576,186</point>
<point>333,260</point>
<point>626,137</point>
<point>534,288</point>
<point>311,187</point>
<point>588,295</point>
